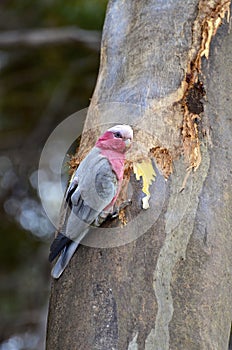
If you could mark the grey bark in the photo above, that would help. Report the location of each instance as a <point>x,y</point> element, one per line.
<point>170,288</point>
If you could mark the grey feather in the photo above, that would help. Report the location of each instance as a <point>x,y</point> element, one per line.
<point>88,175</point>
<point>92,189</point>
<point>65,257</point>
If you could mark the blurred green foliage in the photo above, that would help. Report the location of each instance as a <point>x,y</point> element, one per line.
<point>51,13</point>
<point>31,77</point>
<point>39,88</point>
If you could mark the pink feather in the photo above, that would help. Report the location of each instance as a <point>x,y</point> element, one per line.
<point>114,150</point>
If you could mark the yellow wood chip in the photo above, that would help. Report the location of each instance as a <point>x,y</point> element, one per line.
<point>145,170</point>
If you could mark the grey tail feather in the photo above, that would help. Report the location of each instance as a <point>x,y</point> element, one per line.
<point>66,256</point>
<point>64,259</point>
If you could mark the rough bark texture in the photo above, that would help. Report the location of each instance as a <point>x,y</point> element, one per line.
<point>170,288</point>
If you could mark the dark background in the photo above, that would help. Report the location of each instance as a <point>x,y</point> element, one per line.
<point>40,85</point>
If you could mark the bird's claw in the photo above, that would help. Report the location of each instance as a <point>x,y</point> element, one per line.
<point>123,205</point>
<point>111,216</point>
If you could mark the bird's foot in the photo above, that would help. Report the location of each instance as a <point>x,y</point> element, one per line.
<point>116,212</point>
<point>110,216</point>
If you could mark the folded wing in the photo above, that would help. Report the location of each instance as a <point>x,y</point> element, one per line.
<point>92,189</point>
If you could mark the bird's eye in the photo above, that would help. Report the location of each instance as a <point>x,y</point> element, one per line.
<point>118,135</point>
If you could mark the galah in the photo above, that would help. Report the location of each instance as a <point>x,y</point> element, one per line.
<point>92,193</point>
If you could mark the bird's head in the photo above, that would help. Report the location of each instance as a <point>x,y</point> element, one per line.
<point>117,138</point>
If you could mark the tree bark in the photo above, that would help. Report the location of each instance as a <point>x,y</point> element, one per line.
<point>171,287</point>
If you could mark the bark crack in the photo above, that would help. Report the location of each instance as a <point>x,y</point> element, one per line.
<point>209,18</point>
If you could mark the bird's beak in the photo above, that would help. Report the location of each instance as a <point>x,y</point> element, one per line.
<point>128,143</point>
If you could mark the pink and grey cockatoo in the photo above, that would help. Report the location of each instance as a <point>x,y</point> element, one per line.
<point>92,193</point>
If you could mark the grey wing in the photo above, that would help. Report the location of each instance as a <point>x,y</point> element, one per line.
<point>96,180</point>
<point>75,227</point>
<point>92,189</point>
<point>94,192</point>
<point>106,184</point>
<point>61,240</point>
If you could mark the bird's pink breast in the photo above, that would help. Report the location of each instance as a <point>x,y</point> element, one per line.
<point>116,160</point>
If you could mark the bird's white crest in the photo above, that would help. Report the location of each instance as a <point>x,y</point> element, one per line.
<point>124,129</point>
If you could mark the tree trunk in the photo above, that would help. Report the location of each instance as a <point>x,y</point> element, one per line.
<point>171,287</point>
